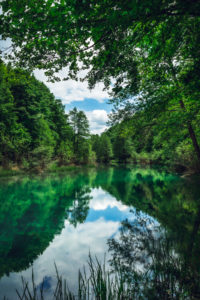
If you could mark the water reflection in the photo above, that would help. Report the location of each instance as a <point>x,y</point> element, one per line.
<point>78,212</point>
<point>148,260</point>
<point>62,218</point>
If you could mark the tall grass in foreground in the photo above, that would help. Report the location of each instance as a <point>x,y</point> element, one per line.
<point>99,284</point>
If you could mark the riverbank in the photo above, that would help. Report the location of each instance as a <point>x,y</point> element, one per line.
<point>53,167</point>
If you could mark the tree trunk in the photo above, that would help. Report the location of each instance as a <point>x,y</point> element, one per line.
<point>189,124</point>
<point>192,136</point>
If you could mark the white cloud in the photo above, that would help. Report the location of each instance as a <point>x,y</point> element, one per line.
<point>102,200</point>
<point>69,90</point>
<point>97,119</point>
<point>72,90</point>
<point>5,47</point>
<point>70,251</point>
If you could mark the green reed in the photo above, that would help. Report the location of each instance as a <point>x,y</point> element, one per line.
<point>99,283</point>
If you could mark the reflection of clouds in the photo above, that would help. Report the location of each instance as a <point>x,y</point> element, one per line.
<point>70,248</point>
<point>70,252</point>
<point>102,200</point>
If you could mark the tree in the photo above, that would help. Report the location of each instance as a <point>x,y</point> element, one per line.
<point>14,138</point>
<point>44,144</point>
<point>60,124</point>
<point>102,147</point>
<point>39,29</point>
<point>151,49</point>
<point>65,152</point>
<point>122,148</point>
<point>33,123</point>
<point>80,125</point>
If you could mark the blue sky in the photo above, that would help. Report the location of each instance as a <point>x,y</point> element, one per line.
<point>89,104</point>
<point>73,93</point>
<point>76,94</point>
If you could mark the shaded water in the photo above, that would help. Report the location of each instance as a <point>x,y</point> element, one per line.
<point>142,218</point>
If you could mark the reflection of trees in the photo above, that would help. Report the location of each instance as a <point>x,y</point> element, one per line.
<point>77,213</point>
<point>33,210</point>
<point>146,257</point>
<point>173,201</point>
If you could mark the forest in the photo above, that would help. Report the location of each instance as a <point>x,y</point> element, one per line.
<point>147,56</point>
<point>36,132</point>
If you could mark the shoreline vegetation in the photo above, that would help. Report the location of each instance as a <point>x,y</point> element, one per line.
<point>37,135</point>
<point>54,168</point>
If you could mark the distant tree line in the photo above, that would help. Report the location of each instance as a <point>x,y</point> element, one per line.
<point>35,131</point>
<point>138,139</point>
<point>159,140</point>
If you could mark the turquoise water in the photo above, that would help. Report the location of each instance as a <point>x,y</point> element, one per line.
<point>60,218</point>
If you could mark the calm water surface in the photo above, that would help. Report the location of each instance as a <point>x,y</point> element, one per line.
<point>60,218</point>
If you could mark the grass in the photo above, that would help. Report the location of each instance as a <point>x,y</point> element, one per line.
<point>100,284</point>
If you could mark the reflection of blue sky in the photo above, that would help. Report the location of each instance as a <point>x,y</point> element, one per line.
<point>108,214</point>
<point>101,200</point>
<point>70,248</point>
<point>45,284</point>
<point>103,205</point>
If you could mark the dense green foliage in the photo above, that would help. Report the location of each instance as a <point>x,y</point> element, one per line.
<point>34,128</point>
<point>63,31</point>
<point>102,147</point>
<point>81,144</point>
<point>149,48</point>
<point>161,140</point>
